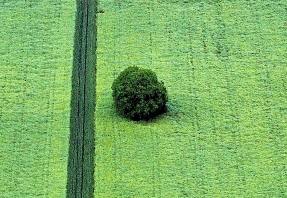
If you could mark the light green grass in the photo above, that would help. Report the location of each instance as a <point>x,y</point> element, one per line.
<point>35,77</point>
<point>224,65</point>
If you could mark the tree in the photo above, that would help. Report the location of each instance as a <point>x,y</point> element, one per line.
<point>138,94</point>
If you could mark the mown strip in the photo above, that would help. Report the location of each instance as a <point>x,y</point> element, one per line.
<point>81,152</point>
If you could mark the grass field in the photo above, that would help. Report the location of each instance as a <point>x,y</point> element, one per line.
<point>35,72</point>
<point>224,65</point>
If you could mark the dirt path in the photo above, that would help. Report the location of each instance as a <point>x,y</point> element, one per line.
<point>81,152</point>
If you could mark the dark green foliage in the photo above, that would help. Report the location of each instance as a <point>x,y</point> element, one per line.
<point>138,94</point>
<point>80,181</point>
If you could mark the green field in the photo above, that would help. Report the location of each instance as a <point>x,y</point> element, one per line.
<point>224,65</point>
<point>36,55</point>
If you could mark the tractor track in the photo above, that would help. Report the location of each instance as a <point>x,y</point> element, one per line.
<point>80,181</point>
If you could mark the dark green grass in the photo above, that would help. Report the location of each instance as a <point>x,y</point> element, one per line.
<point>35,83</point>
<point>81,153</point>
<point>224,64</point>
